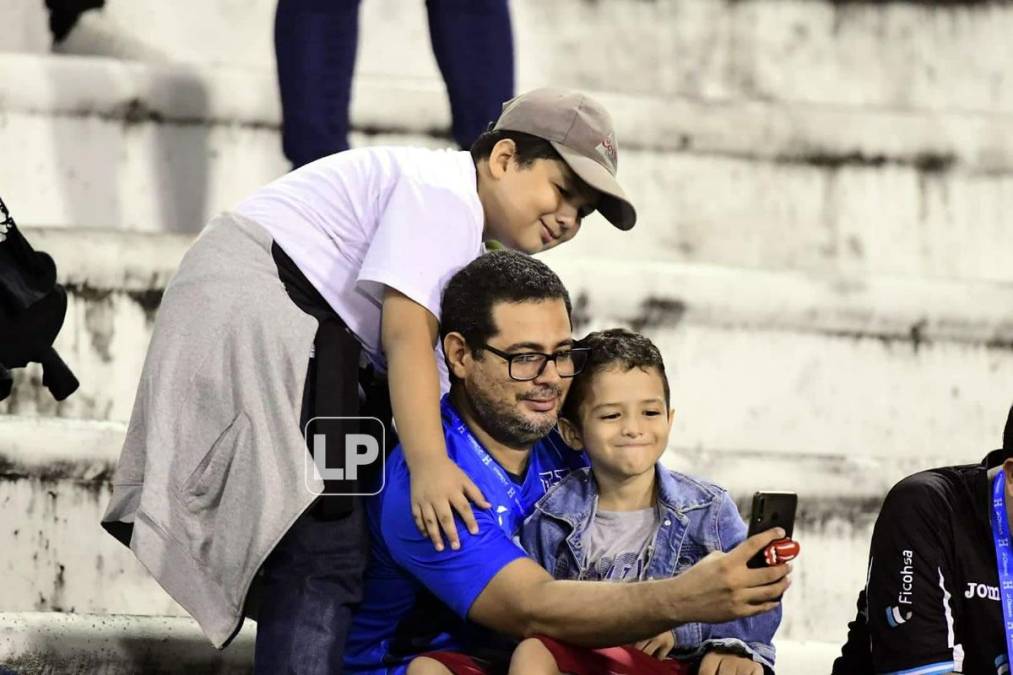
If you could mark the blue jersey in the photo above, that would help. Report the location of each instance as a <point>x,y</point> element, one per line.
<point>415,598</point>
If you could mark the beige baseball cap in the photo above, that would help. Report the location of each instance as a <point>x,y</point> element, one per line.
<point>580,129</point>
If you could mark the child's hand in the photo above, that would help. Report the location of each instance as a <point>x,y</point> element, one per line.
<point>658,646</point>
<point>438,488</point>
<point>716,663</point>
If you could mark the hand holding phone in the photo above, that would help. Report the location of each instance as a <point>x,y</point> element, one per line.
<point>774,509</point>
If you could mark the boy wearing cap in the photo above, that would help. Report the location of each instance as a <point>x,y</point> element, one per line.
<point>337,265</point>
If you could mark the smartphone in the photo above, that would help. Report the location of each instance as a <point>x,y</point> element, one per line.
<point>771,509</point>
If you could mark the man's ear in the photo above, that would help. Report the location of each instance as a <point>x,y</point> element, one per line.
<point>1007,469</point>
<point>500,157</point>
<point>458,354</point>
<point>671,418</point>
<point>571,434</point>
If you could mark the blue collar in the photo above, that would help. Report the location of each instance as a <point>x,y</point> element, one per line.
<point>459,440</point>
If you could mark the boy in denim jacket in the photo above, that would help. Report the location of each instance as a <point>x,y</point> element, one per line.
<point>628,518</point>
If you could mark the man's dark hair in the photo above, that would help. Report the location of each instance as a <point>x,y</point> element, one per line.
<point>529,147</point>
<point>498,276</point>
<point>615,347</point>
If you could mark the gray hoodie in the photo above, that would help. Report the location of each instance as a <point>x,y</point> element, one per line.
<point>212,472</point>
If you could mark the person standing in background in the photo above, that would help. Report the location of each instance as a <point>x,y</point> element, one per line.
<point>315,44</point>
<point>63,15</point>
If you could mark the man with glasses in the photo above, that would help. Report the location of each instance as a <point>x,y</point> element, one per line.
<point>506,334</point>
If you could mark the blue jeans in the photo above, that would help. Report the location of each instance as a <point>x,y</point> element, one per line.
<point>311,583</point>
<point>315,43</point>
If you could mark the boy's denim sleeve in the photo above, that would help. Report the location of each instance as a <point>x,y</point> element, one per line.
<point>531,539</point>
<point>752,636</point>
<point>762,654</point>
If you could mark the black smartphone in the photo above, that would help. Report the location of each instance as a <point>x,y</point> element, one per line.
<point>771,509</point>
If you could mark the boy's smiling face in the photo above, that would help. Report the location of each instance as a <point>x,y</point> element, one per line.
<point>532,208</point>
<point>624,421</point>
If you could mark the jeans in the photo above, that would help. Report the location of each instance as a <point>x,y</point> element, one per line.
<point>312,580</point>
<point>309,586</point>
<point>315,43</point>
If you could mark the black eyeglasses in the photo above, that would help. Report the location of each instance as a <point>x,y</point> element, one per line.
<point>524,366</point>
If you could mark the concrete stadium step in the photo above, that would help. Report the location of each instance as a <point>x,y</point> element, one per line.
<point>858,148</point>
<point>56,475</point>
<point>26,28</point>
<point>102,143</point>
<point>38,642</point>
<point>46,642</point>
<point>922,55</point>
<point>762,361</point>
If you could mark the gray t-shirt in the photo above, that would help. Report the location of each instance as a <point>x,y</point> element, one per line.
<point>617,544</point>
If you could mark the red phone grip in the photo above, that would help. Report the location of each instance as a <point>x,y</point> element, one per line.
<point>781,551</point>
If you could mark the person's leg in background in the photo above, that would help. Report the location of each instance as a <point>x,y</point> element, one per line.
<point>315,43</point>
<point>313,578</point>
<point>473,44</point>
<point>311,582</point>
<point>63,15</point>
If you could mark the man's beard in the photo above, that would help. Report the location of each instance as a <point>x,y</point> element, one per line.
<point>505,422</point>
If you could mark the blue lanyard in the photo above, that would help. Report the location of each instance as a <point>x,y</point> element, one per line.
<point>458,434</point>
<point>1003,557</point>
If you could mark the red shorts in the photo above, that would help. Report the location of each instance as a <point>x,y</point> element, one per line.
<point>463,664</point>
<point>610,661</point>
<point>574,660</point>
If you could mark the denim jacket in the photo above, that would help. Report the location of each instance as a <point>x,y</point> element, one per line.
<point>696,518</point>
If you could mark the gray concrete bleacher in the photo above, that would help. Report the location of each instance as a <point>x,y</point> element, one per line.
<point>823,255</point>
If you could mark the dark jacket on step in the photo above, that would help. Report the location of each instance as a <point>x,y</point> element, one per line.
<point>32,309</point>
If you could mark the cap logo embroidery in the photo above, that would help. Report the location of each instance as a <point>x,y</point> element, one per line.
<point>607,149</point>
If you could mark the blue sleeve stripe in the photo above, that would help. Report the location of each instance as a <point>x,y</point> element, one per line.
<point>931,669</point>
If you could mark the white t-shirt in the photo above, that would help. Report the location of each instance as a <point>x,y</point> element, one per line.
<point>359,220</point>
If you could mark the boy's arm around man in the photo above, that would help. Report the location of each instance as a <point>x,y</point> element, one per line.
<point>409,334</point>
